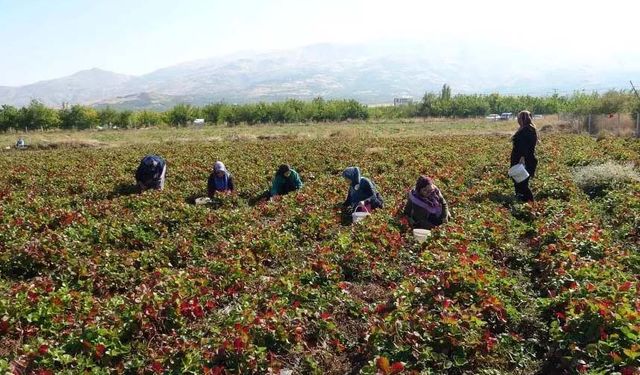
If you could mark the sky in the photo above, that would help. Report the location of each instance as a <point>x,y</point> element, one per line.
<point>46,39</point>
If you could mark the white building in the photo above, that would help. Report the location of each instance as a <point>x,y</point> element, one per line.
<point>402,101</point>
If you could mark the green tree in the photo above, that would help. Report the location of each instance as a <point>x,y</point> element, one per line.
<point>428,104</point>
<point>445,93</point>
<point>38,116</point>
<point>79,117</point>
<point>107,117</point>
<point>125,119</point>
<point>147,118</point>
<point>228,115</point>
<point>613,101</point>
<point>181,115</point>
<point>9,117</point>
<point>583,104</point>
<point>211,112</point>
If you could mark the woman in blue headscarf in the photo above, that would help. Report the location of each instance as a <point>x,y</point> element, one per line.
<point>151,173</point>
<point>220,180</point>
<point>362,191</point>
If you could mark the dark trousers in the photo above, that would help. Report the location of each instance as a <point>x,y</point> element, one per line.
<point>523,192</point>
<point>287,188</point>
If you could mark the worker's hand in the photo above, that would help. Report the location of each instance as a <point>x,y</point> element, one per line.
<point>447,217</point>
<point>522,160</point>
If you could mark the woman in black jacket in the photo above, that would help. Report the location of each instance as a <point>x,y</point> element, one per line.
<point>151,173</point>
<point>524,152</point>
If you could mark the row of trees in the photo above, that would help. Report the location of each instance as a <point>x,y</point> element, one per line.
<point>38,116</point>
<point>443,104</point>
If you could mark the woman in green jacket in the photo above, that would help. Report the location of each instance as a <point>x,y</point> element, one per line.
<point>285,181</point>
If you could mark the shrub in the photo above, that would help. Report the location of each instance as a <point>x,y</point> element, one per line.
<point>596,179</point>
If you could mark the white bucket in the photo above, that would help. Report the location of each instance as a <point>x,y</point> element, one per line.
<point>518,172</point>
<point>421,235</point>
<point>202,201</point>
<point>359,216</point>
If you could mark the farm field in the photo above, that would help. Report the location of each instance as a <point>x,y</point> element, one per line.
<point>392,128</point>
<point>94,278</point>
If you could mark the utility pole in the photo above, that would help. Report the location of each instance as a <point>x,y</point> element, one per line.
<point>637,114</point>
<point>555,103</point>
<point>634,90</point>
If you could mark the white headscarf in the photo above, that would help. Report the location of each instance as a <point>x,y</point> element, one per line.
<point>219,167</point>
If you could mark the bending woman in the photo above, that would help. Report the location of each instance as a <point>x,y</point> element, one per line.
<point>285,181</point>
<point>220,180</point>
<point>151,173</point>
<point>426,208</point>
<point>362,191</point>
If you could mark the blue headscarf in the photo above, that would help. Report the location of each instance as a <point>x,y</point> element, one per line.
<point>353,174</point>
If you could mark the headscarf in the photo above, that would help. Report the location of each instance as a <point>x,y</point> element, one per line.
<point>282,169</point>
<point>220,182</point>
<point>430,203</point>
<point>219,167</point>
<point>526,119</point>
<point>150,169</point>
<point>353,174</point>
<point>150,161</point>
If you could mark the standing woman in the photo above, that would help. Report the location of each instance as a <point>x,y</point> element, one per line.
<point>524,152</point>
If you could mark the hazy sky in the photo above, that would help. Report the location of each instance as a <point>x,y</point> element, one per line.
<point>44,39</point>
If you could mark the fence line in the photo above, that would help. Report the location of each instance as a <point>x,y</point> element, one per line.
<point>618,124</point>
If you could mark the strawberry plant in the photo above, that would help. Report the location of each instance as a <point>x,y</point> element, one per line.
<point>95,278</point>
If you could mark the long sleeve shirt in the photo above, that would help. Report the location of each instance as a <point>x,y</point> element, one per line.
<point>211,185</point>
<point>524,146</point>
<point>420,218</point>
<point>283,185</point>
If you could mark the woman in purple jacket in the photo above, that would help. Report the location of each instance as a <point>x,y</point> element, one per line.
<point>426,208</point>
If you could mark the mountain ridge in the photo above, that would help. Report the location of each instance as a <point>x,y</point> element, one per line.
<point>370,73</point>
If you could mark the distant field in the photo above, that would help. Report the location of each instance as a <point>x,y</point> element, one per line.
<point>97,279</point>
<point>407,128</point>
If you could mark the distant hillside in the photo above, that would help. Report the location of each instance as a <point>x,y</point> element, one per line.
<point>82,87</point>
<point>144,100</point>
<point>371,73</point>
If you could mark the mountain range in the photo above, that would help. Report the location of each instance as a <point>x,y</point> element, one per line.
<point>370,73</point>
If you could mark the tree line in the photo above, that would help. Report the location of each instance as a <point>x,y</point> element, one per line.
<point>37,116</point>
<point>443,104</point>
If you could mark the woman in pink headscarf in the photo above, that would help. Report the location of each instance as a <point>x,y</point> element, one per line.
<point>426,208</point>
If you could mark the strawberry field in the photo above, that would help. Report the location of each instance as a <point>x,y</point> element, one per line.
<point>96,278</point>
